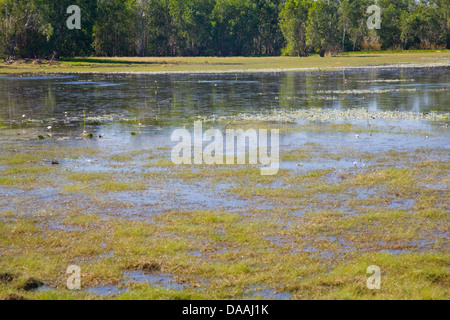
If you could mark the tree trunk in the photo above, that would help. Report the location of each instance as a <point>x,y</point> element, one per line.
<point>141,39</point>
<point>13,47</point>
<point>343,41</point>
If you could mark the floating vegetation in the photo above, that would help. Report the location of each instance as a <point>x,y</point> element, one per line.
<point>440,90</point>
<point>87,135</point>
<point>309,98</point>
<point>376,91</point>
<point>331,115</point>
<point>93,120</point>
<point>386,80</point>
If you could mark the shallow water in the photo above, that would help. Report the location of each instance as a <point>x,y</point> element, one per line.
<point>114,106</point>
<point>151,106</point>
<point>161,100</point>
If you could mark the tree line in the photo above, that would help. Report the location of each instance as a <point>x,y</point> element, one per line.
<point>37,28</point>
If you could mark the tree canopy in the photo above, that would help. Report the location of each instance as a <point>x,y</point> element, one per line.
<point>37,28</point>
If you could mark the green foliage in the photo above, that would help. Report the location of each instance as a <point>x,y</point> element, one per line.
<point>352,23</point>
<point>37,28</point>
<point>321,30</point>
<point>293,19</point>
<point>114,30</point>
<point>20,19</point>
<point>65,42</point>
<point>235,23</point>
<point>414,24</point>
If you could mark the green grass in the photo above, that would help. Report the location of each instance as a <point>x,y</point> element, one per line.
<point>104,187</point>
<point>409,276</point>
<point>215,64</point>
<point>87,177</point>
<point>19,159</point>
<point>397,52</point>
<point>121,157</point>
<point>308,233</point>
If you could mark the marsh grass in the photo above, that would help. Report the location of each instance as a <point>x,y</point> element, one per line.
<point>19,159</point>
<point>87,177</point>
<point>121,157</point>
<point>107,186</point>
<point>309,234</point>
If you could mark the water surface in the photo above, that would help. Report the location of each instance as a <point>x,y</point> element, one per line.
<point>172,100</point>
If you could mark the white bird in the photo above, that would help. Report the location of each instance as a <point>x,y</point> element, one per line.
<point>49,127</point>
<point>357,136</point>
<point>355,164</point>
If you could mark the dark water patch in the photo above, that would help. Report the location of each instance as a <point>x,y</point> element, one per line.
<point>109,290</point>
<point>45,288</point>
<point>64,227</point>
<point>162,280</point>
<point>32,284</point>
<point>281,241</point>
<point>260,292</point>
<point>22,78</point>
<point>91,83</point>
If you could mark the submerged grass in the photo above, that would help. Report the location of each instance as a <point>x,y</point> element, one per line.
<point>305,233</point>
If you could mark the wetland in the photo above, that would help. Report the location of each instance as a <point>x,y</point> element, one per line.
<point>87,179</point>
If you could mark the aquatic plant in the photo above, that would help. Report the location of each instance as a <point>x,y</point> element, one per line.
<point>331,115</point>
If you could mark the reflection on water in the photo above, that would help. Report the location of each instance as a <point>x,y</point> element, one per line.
<point>174,99</point>
<point>54,108</point>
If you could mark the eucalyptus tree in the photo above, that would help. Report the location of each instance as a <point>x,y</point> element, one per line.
<point>37,28</point>
<point>293,22</point>
<point>322,34</point>
<point>140,9</point>
<point>269,38</point>
<point>115,29</point>
<point>352,22</point>
<point>442,13</point>
<point>19,17</point>
<point>235,26</point>
<point>71,42</point>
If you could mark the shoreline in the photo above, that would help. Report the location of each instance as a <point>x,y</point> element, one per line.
<point>265,70</point>
<point>228,65</point>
